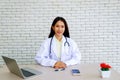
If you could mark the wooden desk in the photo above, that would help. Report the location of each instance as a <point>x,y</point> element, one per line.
<point>88,72</point>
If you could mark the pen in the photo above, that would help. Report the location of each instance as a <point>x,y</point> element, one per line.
<point>61,69</point>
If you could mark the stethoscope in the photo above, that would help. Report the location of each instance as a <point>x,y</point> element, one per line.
<point>66,42</point>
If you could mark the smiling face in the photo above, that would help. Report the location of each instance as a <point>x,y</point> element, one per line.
<point>59,28</point>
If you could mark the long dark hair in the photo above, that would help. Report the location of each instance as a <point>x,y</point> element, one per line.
<point>66,32</point>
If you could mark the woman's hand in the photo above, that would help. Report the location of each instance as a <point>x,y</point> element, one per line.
<point>59,64</point>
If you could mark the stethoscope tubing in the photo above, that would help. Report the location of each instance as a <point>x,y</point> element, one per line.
<point>66,42</point>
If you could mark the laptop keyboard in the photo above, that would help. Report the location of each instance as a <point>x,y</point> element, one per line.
<point>27,73</point>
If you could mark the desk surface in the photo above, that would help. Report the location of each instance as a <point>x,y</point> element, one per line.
<point>88,72</point>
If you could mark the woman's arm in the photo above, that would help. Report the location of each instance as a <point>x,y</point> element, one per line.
<point>76,56</point>
<point>42,57</point>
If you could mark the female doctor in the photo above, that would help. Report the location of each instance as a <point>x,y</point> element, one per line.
<point>59,50</point>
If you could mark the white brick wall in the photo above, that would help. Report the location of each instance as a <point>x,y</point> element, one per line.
<point>93,24</point>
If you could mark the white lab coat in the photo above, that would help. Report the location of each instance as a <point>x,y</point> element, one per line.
<point>70,55</point>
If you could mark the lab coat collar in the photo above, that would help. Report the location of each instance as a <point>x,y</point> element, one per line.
<point>63,39</point>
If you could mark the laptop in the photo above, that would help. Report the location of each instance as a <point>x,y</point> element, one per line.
<point>21,72</point>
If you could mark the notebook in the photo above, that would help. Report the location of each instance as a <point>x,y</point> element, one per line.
<point>21,72</point>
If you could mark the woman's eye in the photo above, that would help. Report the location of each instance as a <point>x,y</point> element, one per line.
<point>62,26</point>
<point>57,26</point>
